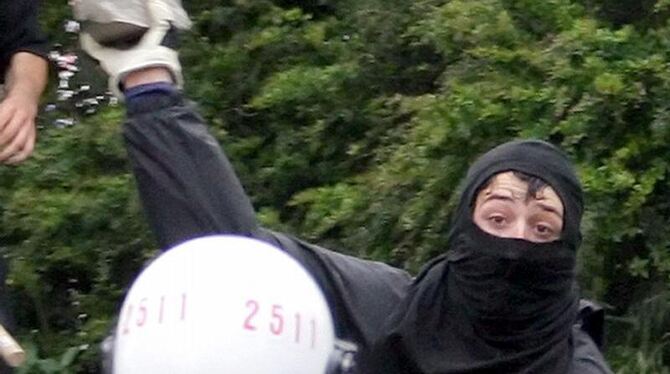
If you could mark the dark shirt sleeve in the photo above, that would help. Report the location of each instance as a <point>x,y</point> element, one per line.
<point>189,189</point>
<point>361,293</point>
<point>20,32</point>
<point>587,356</point>
<point>588,339</point>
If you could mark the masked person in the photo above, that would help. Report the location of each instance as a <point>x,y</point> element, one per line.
<point>23,71</point>
<point>503,298</point>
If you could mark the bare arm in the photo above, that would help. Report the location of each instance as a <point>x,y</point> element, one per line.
<point>26,80</point>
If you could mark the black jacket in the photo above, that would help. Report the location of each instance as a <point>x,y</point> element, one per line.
<point>19,31</point>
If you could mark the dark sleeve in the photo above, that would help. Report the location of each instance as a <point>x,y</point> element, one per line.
<point>588,335</point>
<point>587,356</point>
<point>188,189</point>
<point>20,31</point>
<point>187,185</point>
<point>360,293</point>
<point>591,319</point>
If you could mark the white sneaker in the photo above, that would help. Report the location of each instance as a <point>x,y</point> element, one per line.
<point>122,21</point>
<point>153,47</point>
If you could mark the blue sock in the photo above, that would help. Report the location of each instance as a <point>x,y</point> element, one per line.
<point>137,93</point>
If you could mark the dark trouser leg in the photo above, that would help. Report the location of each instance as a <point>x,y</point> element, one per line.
<point>187,185</point>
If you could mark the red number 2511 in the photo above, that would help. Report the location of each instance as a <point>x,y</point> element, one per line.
<point>278,325</point>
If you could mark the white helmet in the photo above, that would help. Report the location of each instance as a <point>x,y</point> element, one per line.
<point>224,304</point>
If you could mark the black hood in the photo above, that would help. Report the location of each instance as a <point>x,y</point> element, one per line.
<point>532,157</point>
<point>491,304</point>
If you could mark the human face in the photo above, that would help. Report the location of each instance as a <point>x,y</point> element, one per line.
<point>505,209</point>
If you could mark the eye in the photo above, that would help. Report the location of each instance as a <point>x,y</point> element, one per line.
<point>497,220</point>
<point>544,230</point>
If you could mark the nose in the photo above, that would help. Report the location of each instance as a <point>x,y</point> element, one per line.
<point>519,231</point>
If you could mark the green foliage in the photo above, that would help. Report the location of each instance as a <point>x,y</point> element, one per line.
<point>60,365</point>
<point>351,123</point>
<point>645,331</point>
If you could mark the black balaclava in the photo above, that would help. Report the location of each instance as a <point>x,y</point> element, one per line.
<point>491,304</point>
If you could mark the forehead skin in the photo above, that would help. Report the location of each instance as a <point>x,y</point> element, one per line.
<point>508,185</point>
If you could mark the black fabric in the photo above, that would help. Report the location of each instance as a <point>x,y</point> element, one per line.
<point>187,184</point>
<point>591,319</point>
<point>189,189</point>
<point>19,31</point>
<point>587,358</point>
<point>494,305</point>
<point>533,157</point>
<point>360,293</point>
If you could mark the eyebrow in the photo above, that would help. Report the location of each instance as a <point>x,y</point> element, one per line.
<point>549,208</point>
<point>497,195</point>
<point>544,206</point>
